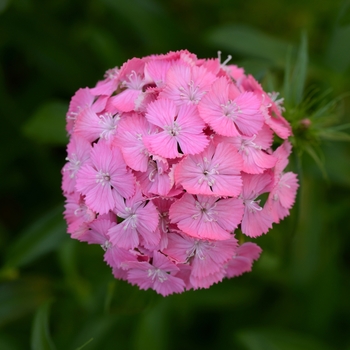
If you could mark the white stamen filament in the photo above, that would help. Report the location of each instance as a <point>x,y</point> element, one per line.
<point>103,178</point>
<point>208,172</point>
<point>109,124</point>
<point>253,205</point>
<point>173,129</point>
<point>231,110</point>
<point>106,245</point>
<point>135,81</point>
<point>157,273</point>
<point>73,165</point>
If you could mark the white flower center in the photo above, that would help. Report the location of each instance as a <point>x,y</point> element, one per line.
<point>173,129</point>
<point>109,125</point>
<point>157,274</point>
<point>73,165</point>
<point>103,178</point>
<point>135,81</point>
<point>191,92</point>
<point>231,110</point>
<point>209,171</point>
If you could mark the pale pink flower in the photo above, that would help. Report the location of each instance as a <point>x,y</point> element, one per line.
<point>164,226</point>
<point>78,151</point>
<point>254,150</point>
<point>156,70</point>
<point>82,98</point>
<point>140,219</point>
<point>131,76</point>
<point>131,131</point>
<point>158,275</point>
<point>207,258</point>
<point>229,112</point>
<point>157,179</point>
<point>97,232</point>
<point>187,84</point>
<point>92,127</point>
<point>215,171</point>
<point>180,127</point>
<point>105,179</point>
<point>256,219</point>
<point>283,193</point>
<point>207,217</point>
<point>269,108</point>
<point>242,259</point>
<point>167,157</point>
<point>76,212</point>
<point>109,84</point>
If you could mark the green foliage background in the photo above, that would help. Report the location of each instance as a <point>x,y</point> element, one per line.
<point>56,293</point>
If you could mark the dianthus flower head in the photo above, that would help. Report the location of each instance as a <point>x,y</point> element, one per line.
<point>168,157</point>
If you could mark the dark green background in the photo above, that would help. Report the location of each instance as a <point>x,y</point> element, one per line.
<point>58,293</point>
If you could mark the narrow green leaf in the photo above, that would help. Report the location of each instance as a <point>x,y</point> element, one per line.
<point>248,41</point>
<point>83,346</point>
<point>109,295</point>
<point>40,238</point>
<point>40,339</point>
<point>300,71</point>
<point>333,135</point>
<point>311,151</point>
<point>287,73</point>
<point>47,125</point>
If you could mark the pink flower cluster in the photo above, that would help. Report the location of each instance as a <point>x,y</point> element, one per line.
<point>168,156</point>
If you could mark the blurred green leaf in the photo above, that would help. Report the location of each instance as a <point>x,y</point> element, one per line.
<point>83,346</point>
<point>19,297</point>
<point>97,327</point>
<point>277,339</point>
<point>3,5</point>
<point>334,135</point>
<point>248,41</point>
<point>40,339</point>
<point>40,238</point>
<point>67,254</point>
<point>146,18</point>
<point>103,44</point>
<point>338,52</point>
<point>300,71</point>
<point>6,343</point>
<point>47,125</point>
<point>151,332</point>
